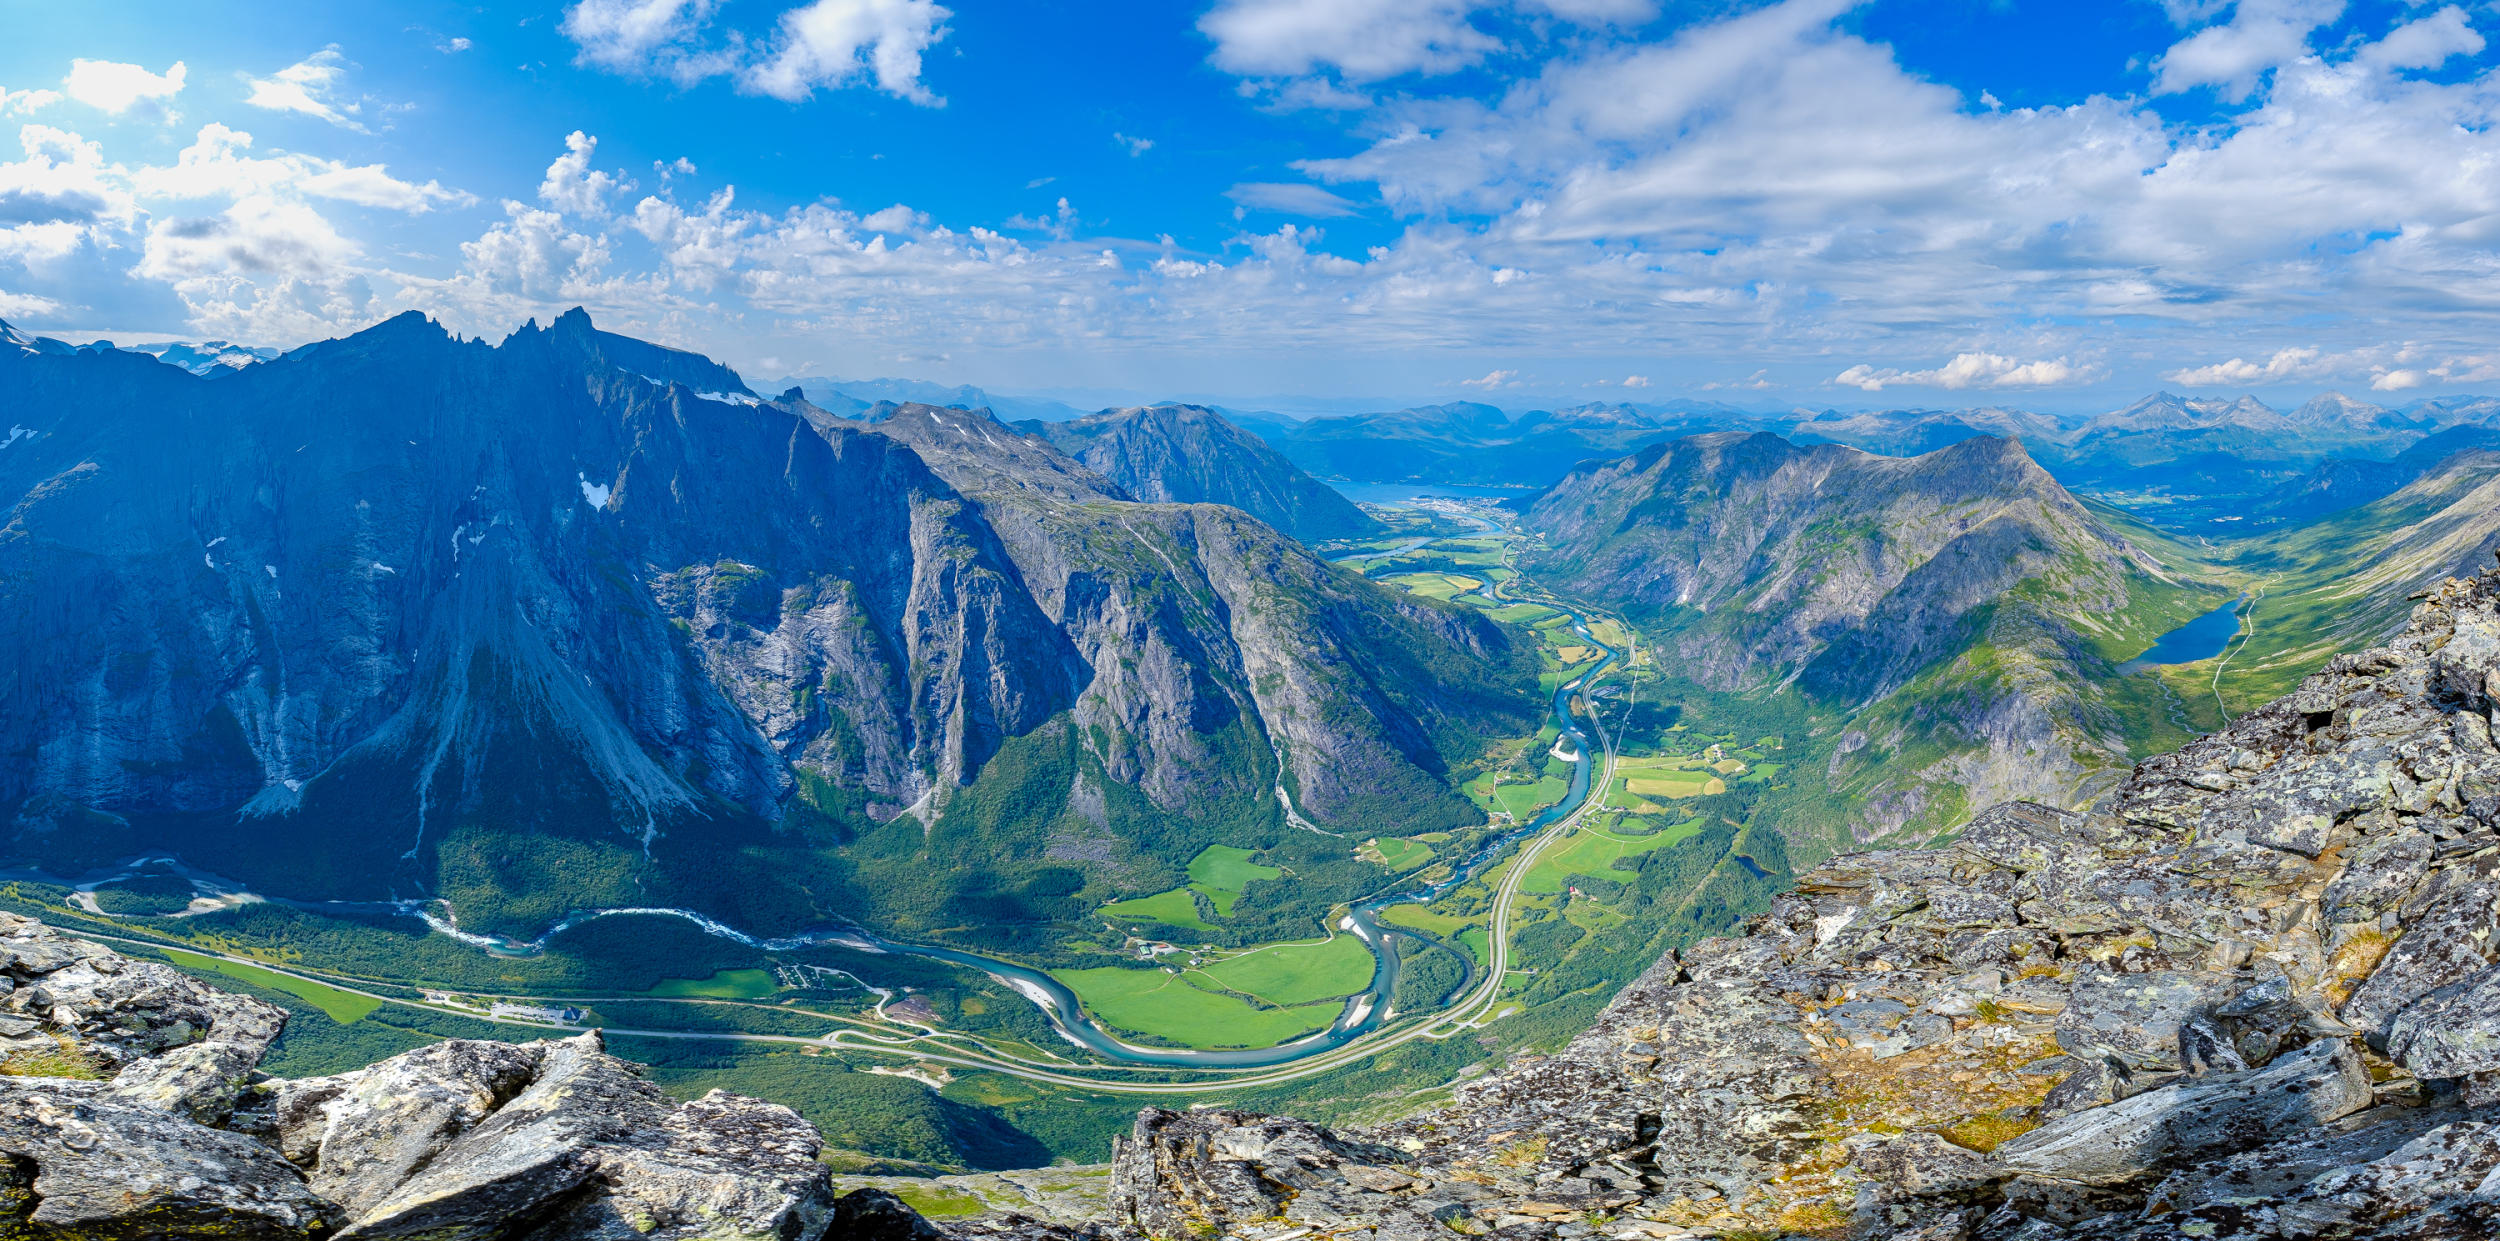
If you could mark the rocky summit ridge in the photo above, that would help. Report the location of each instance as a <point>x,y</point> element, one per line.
<point>2250,994</point>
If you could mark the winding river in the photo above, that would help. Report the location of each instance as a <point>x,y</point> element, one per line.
<point>1363,1012</point>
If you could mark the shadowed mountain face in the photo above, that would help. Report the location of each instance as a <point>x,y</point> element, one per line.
<point>582,617</point>
<point>1189,454</point>
<point>1959,608</point>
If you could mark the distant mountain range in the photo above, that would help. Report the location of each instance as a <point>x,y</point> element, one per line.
<point>577,619</point>
<point>2213,447</point>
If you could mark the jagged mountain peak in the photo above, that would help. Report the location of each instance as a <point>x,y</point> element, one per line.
<point>23,342</point>
<point>1190,454</point>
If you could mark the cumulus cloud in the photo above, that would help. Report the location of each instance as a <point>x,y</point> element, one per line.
<point>26,306</point>
<point>1368,40</point>
<point>309,86</point>
<point>2425,43</point>
<point>25,101</point>
<point>1971,370</point>
<point>1134,146</point>
<point>572,185</point>
<point>833,43</point>
<point>1290,198</point>
<point>826,44</point>
<point>110,86</point>
<point>219,163</point>
<point>1492,379</point>
<point>61,180</point>
<point>2301,362</point>
<point>1636,381</point>
<point>2261,35</point>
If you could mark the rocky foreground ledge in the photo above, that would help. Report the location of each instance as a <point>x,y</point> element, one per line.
<point>2252,994</point>
<point>130,1108</point>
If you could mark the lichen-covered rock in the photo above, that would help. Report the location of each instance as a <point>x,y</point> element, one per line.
<point>2160,1016</point>
<point>2194,1121</point>
<point>173,1042</point>
<point>95,1167</point>
<point>486,1141</point>
<point>362,1135</point>
<point>722,1168</point>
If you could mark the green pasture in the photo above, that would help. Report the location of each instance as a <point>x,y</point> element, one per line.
<point>1173,908</point>
<point>725,985</point>
<point>1290,974</point>
<point>343,1007</point>
<point>1592,851</point>
<point>1154,1002</point>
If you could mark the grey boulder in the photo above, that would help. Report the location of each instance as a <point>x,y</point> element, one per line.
<point>2133,1138</point>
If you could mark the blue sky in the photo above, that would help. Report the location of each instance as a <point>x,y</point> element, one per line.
<point>2055,205</point>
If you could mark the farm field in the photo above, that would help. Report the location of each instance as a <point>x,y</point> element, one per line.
<point>1173,908</point>
<point>1397,854</point>
<point>1163,1004</point>
<point>1442,586</point>
<point>1222,871</point>
<point>1426,919</point>
<point>1291,974</point>
<point>343,1007</point>
<point>1523,799</point>
<point>725,985</point>
<point>1593,851</point>
<point>1523,613</point>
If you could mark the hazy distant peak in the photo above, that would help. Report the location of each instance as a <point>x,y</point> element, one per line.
<point>21,342</point>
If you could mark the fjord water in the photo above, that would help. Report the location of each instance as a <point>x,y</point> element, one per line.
<point>2199,639</point>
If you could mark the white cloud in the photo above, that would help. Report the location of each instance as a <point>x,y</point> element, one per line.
<point>308,86</point>
<point>62,180</point>
<point>639,35</point>
<point>2295,363</point>
<point>26,305</point>
<point>1363,39</point>
<point>1287,198</point>
<point>2261,35</point>
<point>25,101</point>
<point>1492,379</point>
<point>1368,40</point>
<point>2425,43</point>
<point>111,86</point>
<point>572,185</point>
<point>825,44</point>
<point>2399,380</point>
<point>218,164</point>
<point>1134,146</point>
<point>454,45</point>
<point>1972,370</point>
<point>832,43</point>
<point>1636,381</point>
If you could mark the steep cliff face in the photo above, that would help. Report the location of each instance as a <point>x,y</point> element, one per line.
<point>485,619</point>
<point>2254,992</point>
<point>1188,454</point>
<point>1208,632</point>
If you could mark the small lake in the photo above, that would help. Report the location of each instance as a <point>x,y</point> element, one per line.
<point>2202,638</point>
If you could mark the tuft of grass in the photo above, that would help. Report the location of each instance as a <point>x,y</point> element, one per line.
<point>68,1059</point>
